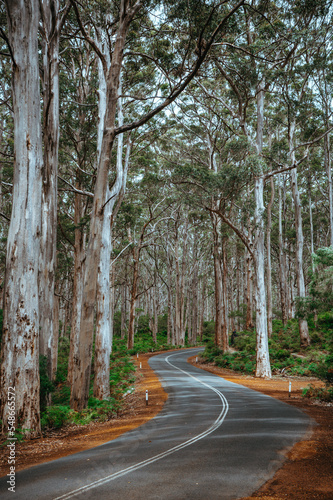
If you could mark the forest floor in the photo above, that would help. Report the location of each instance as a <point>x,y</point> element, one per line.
<point>306,474</point>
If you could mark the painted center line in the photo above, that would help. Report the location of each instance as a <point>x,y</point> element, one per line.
<point>144,463</point>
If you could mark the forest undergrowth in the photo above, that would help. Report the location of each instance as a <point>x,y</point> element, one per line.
<point>286,355</point>
<point>55,396</point>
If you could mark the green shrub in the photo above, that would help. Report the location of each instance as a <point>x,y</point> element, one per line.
<point>282,354</point>
<point>324,370</point>
<point>61,395</point>
<point>208,331</point>
<point>321,393</point>
<point>55,416</point>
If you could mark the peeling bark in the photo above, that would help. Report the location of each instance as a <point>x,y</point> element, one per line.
<point>218,285</point>
<point>282,261</point>
<point>82,370</point>
<point>269,264</point>
<point>47,262</point>
<point>303,324</point>
<point>20,341</point>
<point>263,368</point>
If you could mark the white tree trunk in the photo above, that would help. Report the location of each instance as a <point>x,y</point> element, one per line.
<point>282,260</point>
<point>303,324</point>
<point>82,370</point>
<point>104,317</point>
<point>225,310</point>
<point>20,341</point>
<point>263,368</point>
<point>329,181</point>
<point>103,338</point>
<point>47,262</point>
<point>269,263</point>
<point>217,284</point>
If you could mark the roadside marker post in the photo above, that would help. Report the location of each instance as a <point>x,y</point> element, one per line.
<point>289,389</point>
<point>196,359</point>
<point>140,365</point>
<point>147,397</point>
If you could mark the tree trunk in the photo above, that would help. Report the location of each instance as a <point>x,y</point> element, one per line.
<point>20,341</point>
<point>170,331</point>
<point>82,370</point>
<point>248,292</point>
<point>269,263</point>
<point>218,285</point>
<point>47,262</point>
<point>263,368</point>
<point>134,291</point>
<point>182,285</point>
<point>79,258</point>
<point>329,181</point>
<point>55,337</point>
<point>123,310</point>
<point>202,310</point>
<point>282,260</point>
<point>104,317</point>
<point>177,297</point>
<point>303,324</point>
<point>195,295</point>
<point>225,338</point>
<point>103,338</point>
<point>155,314</point>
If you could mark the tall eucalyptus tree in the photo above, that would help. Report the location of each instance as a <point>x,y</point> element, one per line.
<point>127,12</point>
<point>20,342</point>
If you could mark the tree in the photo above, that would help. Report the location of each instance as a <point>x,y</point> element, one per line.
<point>127,12</point>
<point>52,23</point>
<point>20,343</point>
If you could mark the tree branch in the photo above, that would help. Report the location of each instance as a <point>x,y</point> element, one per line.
<point>4,36</point>
<point>5,216</point>
<point>178,90</point>
<point>234,228</point>
<point>88,38</point>
<point>75,190</point>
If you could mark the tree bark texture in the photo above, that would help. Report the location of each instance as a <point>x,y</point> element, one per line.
<point>218,285</point>
<point>47,262</point>
<point>263,368</point>
<point>269,263</point>
<point>329,182</point>
<point>303,324</point>
<point>82,370</point>
<point>282,259</point>
<point>20,341</point>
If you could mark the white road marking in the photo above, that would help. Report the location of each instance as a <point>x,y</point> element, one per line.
<point>116,475</point>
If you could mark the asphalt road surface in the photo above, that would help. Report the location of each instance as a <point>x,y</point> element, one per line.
<point>212,440</point>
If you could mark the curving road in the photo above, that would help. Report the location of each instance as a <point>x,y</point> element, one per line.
<point>212,440</point>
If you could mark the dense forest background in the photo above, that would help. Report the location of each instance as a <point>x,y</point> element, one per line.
<point>165,181</point>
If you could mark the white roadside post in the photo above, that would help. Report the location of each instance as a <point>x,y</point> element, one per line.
<point>147,397</point>
<point>289,388</point>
